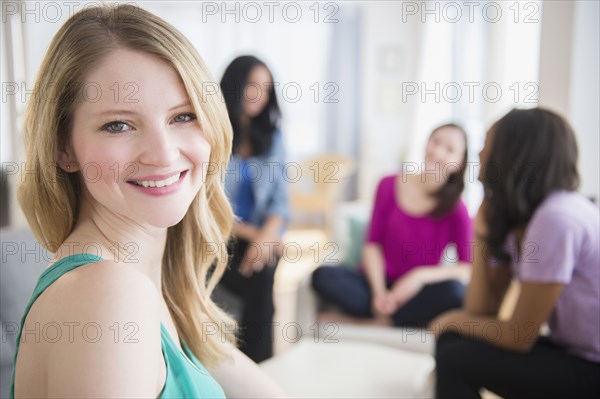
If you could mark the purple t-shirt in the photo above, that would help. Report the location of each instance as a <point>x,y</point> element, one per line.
<point>410,241</point>
<point>562,245</point>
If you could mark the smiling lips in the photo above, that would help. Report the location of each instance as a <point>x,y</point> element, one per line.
<point>159,185</point>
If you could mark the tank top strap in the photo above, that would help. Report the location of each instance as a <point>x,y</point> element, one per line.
<point>54,272</point>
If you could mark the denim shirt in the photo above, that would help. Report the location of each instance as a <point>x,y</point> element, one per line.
<point>268,180</point>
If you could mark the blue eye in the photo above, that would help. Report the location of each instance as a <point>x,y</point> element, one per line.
<point>116,127</point>
<point>185,117</point>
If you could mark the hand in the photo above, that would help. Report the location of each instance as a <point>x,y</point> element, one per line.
<point>449,321</point>
<point>383,304</point>
<point>245,231</point>
<point>409,285</point>
<point>262,251</point>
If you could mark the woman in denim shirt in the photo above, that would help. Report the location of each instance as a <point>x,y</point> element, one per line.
<point>256,186</point>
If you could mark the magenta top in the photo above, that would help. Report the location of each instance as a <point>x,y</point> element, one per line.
<point>409,241</point>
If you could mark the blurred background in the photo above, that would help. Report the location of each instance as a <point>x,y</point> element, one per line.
<point>366,81</point>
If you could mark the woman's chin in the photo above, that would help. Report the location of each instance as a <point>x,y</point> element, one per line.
<point>166,221</point>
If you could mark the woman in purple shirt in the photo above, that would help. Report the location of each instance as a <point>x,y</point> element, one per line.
<point>546,236</point>
<point>414,218</point>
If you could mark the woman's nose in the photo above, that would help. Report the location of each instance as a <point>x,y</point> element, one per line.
<point>438,152</point>
<point>159,148</point>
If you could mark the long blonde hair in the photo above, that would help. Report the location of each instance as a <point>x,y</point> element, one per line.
<point>50,198</point>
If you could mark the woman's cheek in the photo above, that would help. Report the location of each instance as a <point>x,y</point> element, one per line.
<point>105,164</point>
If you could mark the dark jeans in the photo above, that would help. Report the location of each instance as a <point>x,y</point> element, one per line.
<point>465,365</point>
<point>256,292</point>
<point>350,291</point>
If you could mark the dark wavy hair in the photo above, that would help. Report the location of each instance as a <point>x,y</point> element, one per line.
<point>449,194</point>
<point>533,153</point>
<point>263,126</point>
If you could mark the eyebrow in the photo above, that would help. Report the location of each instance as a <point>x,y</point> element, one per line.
<point>128,112</point>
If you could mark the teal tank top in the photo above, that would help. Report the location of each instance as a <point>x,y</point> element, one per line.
<point>186,376</point>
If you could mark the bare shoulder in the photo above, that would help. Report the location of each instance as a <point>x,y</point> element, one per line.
<point>109,322</point>
<point>103,291</point>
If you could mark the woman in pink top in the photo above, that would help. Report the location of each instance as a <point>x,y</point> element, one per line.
<point>414,218</point>
<point>544,234</point>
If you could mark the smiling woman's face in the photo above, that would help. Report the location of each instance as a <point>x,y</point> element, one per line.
<point>256,92</point>
<point>445,150</point>
<point>136,141</point>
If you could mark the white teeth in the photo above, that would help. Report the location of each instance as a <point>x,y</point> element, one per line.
<point>159,183</point>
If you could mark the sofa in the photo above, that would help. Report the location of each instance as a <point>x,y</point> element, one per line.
<point>22,261</point>
<point>351,369</point>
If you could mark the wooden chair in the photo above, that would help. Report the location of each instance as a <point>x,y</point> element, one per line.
<point>321,185</point>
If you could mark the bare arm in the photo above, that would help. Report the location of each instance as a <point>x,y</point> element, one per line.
<point>520,332</point>
<point>249,232</point>
<point>410,284</point>
<point>272,226</point>
<point>240,377</point>
<point>266,246</point>
<point>374,268</point>
<point>488,285</point>
<point>486,291</point>
<point>460,271</point>
<point>102,360</point>
<point>382,302</point>
<point>245,231</point>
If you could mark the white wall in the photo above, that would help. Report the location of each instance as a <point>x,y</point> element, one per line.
<point>569,82</point>
<point>390,52</point>
<point>556,50</point>
<point>584,101</point>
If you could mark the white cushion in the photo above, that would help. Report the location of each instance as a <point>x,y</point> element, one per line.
<point>350,370</point>
<point>410,339</point>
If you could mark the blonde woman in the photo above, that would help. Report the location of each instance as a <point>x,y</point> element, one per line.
<point>122,141</point>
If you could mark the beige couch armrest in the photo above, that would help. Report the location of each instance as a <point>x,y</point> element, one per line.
<point>307,303</point>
